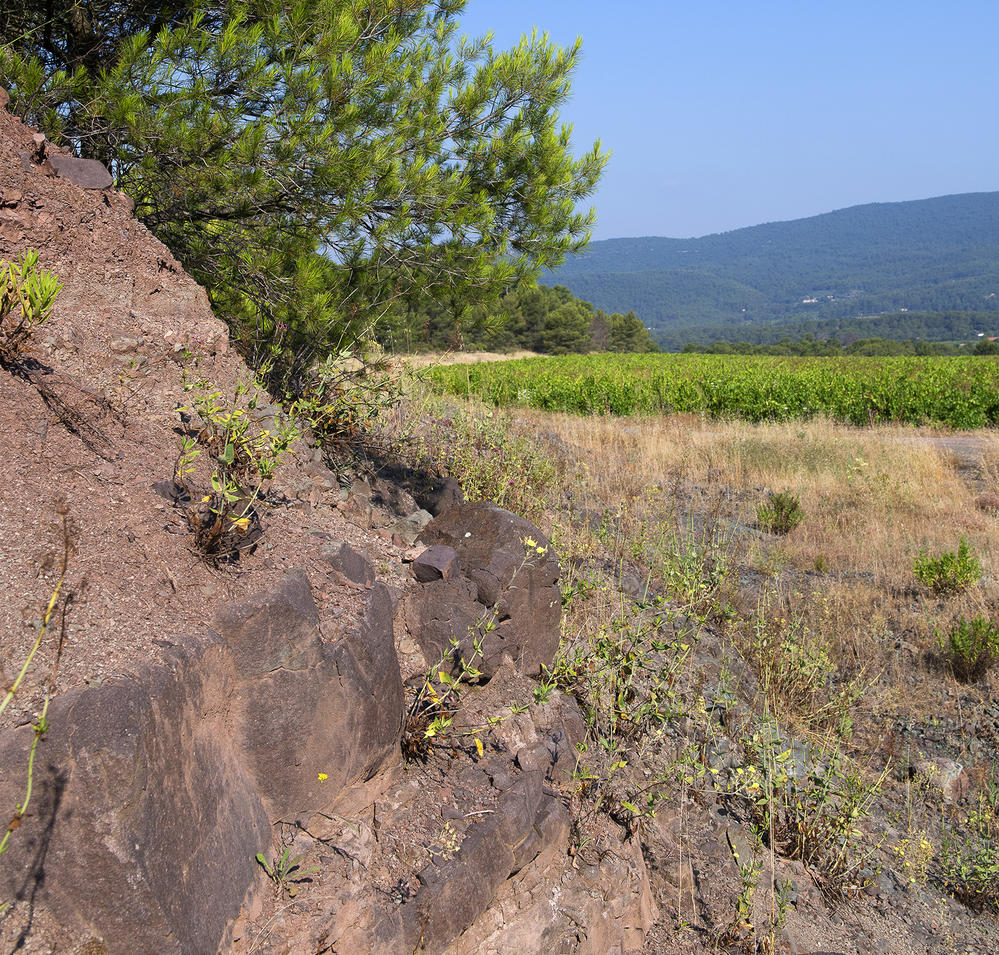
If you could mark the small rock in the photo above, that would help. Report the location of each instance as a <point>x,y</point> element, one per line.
<point>438,562</point>
<point>409,528</point>
<point>945,776</point>
<point>85,173</point>
<point>351,564</point>
<point>325,480</point>
<point>124,345</point>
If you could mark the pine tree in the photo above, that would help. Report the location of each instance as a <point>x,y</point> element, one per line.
<point>315,162</point>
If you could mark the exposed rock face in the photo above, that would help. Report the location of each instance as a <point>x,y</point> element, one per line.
<point>202,716</point>
<point>146,821</point>
<point>161,788</point>
<point>506,594</point>
<point>611,908</point>
<point>305,706</point>
<point>453,894</point>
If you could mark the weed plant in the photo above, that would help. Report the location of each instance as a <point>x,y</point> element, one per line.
<point>950,573</point>
<point>795,669</point>
<point>807,802</point>
<point>432,711</point>
<point>27,295</point>
<point>485,453</point>
<point>969,862</point>
<point>41,725</point>
<point>781,513</point>
<point>341,400</point>
<point>972,646</point>
<point>284,871</point>
<point>243,458</point>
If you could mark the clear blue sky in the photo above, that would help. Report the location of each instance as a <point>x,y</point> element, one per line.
<point>727,113</point>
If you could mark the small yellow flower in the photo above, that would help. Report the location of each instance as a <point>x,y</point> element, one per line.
<point>323,777</point>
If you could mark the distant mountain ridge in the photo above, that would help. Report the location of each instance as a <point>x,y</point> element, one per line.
<point>926,255</point>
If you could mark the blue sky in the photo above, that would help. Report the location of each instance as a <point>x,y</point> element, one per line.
<point>727,113</point>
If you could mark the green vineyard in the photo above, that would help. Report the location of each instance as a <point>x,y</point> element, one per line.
<point>957,392</point>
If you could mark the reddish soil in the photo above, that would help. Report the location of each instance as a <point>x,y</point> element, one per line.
<point>91,425</point>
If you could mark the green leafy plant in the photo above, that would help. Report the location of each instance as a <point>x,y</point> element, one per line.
<point>432,711</point>
<point>27,294</point>
<point>972,646</point>
<point>741,930</point>
<point>950,573</point>
<point>244,456</point>
<point>285,871</point>
<point>340,399</point>
<point>807,803</point>
<point>780,513</point>
<point>969,862</point>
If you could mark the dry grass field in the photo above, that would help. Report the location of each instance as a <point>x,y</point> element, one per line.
<point>824,634</point>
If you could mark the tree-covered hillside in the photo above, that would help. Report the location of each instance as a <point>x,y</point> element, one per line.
<point>930,255</point>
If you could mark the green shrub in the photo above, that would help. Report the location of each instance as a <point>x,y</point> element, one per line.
<point>972,647</point>
<point>27,294</point>
<point>781,513</point>
<point>243,455</point>
<point>949,573</point>
<point>969,860</point>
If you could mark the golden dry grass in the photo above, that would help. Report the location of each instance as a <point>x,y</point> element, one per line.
<point>428,359</point>
<point>872,499</point>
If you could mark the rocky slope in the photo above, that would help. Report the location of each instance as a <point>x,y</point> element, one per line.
<point>207,712</point>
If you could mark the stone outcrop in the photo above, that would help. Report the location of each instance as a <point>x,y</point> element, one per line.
<point>504,595</point>
<point>159,789</point>
<point>204,714</point>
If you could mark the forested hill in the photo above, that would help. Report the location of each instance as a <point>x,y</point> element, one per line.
<point>928,255</point>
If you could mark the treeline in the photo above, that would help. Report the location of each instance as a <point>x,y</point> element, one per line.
<point>537,318</point>
<point>810,347</point>
<point>671,299</point>
<point>946,326</point>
